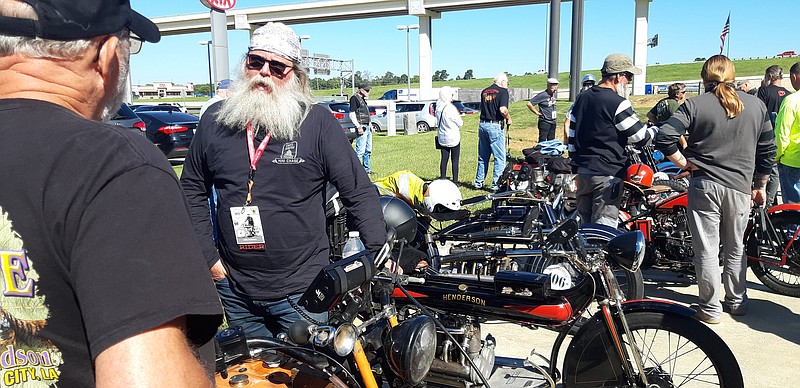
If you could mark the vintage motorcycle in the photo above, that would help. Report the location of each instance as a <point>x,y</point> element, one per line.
<point>635,343</point>
<point>771,236</point>
<point>361,344</point>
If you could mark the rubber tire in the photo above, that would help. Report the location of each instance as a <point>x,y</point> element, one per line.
<point>423,126</point>
<point>764,271</point>
<point>375,127</point>
<point>705,339</point>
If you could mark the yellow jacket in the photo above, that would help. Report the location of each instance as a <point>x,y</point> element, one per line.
<point>403,184</point>
<point>787,132</point>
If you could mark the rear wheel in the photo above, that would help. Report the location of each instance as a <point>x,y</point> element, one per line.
<point>423,126</point>
<point>375,127</point>
<point>785,279</point>
<point>676,351</point>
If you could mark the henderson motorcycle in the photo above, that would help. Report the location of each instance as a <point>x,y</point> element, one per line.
<point>771,237</point>
<point>634,343</point>
<point>517,218</point>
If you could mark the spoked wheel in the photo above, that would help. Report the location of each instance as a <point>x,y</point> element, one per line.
<point>785,279</point>
<point>676,351</point>
<point>682,352</point>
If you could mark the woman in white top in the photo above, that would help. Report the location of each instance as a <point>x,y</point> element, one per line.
<point>449,119</point>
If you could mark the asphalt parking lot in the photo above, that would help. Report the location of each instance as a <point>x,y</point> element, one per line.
<point>766,341</point>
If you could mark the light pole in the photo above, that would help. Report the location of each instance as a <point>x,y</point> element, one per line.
<point>207,43</point>
<point>408,29</point>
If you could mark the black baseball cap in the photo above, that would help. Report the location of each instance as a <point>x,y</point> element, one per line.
<point>80,19</point>
<point>364,86</point>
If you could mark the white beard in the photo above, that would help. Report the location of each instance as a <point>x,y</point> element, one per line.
<point>114,101</point>
<point>281,108</point>
<point>622,91</point>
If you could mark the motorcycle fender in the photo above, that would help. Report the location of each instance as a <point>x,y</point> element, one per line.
<point>680,200</point>
<point>782,208</point>
<point>656,305</point>
<point>592,360</point>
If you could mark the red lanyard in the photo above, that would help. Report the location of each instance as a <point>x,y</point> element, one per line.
<point>255,156</point>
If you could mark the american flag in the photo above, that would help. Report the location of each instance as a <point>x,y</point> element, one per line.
<point>725,30</point>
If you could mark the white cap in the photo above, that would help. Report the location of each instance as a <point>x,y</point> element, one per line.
<point>353,233</point>
<point>552,81</point>
<point>276,38</point>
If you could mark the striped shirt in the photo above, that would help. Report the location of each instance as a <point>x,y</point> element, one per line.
<point>601,124</point>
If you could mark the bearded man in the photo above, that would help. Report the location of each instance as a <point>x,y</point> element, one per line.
<point>602,123</point>
<point>269,151</point>
<point>77,239</point>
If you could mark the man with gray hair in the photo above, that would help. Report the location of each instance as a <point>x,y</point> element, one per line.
<point>491,141</point>
<point>92,285</point>
<point>269,151</point>
<point>602,123</point>
<point>772,93</point>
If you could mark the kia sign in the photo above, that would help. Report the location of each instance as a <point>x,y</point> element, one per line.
<point>219,5</point>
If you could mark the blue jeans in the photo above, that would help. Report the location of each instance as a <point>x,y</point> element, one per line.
<point>490,142</point>
<point>260,318</point>
<point>364,147</point>
<point>790,183</point>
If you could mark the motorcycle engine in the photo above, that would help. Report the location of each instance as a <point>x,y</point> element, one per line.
<point>673,242</point>
<point>451,367</point>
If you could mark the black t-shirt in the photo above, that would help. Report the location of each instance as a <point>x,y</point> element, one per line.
<point>290,195</point>
<point>772,95</point>
<point>492,98</point>
<point>359,105</point>
<point>96,244</point>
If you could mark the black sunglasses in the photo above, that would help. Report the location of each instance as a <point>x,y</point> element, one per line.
<point>629,75</point>
<point>277,69</point>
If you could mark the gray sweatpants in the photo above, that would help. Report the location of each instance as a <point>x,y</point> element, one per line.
<point>718,214</point>
<point>598,199</point>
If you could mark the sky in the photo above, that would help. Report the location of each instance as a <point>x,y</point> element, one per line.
<point>511,39</point>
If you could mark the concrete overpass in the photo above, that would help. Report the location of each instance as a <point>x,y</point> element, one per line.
<point>425,10</point>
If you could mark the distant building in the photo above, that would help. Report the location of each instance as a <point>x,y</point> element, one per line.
<point>158,90</point>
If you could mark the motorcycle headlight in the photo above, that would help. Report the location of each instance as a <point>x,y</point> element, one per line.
<point>410,347</point>
<point>627,250</point>
<point>344,340</point>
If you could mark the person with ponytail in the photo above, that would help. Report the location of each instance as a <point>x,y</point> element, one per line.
<point>730,152</point>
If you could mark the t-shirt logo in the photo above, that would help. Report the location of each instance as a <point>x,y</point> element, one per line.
<point>781,93</point>
<point>288,154</point>
<point>26,358</point>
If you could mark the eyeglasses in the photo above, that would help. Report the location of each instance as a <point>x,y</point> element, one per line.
<point>278,69</point>
<point>628,75</point>
<point>136,44</point>
<point>681,92</point>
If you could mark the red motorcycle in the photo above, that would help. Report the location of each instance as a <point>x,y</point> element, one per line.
<point>660,212</point>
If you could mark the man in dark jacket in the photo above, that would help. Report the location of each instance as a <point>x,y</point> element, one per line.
<point>269,151</point>
<point>602,123</point>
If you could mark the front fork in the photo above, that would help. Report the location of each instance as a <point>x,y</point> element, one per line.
<point>362,362</point>
<point>615,301</point>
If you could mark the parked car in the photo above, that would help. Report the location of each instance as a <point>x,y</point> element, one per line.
<point>348,127</point>
<point>341,110</point>
<point>172,132</point>
<point>126,117</point>
<point>160,108</point>
<point>424,117</point>
<point>461,108</point>
<point>473,105</point>
<point>787,54</point>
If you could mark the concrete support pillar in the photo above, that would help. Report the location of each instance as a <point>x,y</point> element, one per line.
<point>576,56</point>
<point>425,58</point>
<point>219,39</point>
<point>555,28</point>
<point>640,45</point>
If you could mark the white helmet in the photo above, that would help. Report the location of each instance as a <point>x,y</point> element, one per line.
<point>442,193</point>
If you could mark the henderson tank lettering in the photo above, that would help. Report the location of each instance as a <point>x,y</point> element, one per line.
<point>464,298</point>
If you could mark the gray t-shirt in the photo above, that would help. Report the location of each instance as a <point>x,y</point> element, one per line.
<point>547,105</point>
<point>727,150</point>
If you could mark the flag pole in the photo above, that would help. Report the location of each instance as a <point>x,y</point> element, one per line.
<point>728,52</point>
